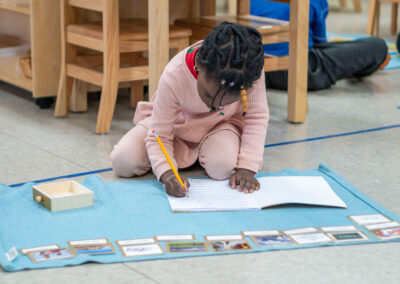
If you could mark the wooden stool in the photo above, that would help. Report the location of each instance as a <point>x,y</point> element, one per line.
<point>107,69</point>
<point>356,4</point>
<point>272,31</point>
<point>373,17</point>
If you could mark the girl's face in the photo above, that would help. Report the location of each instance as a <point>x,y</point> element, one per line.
<point>208,88</point>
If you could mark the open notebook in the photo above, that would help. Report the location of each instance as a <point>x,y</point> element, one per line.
<point>211,195</point>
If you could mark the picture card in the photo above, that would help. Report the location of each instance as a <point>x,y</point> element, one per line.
<point>301,231</point>
<point>94,246</point>
<point>49,247</point>
<point>271,240</point>
<point>51,254</point>
<point>187,247</point>
<point>310,238</point>
<point>382,226</point>
<point>350,228</point>
<point>348,236</point>
<point>223,237</point>
<point>229,245</point>
<point>135,242</point>
<point>162,238</point>
<point>369,219</point>
<point>141,250</point>
<point>387,234</point>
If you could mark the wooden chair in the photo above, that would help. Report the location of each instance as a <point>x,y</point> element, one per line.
<point>118,44</point>
<point>373,17</point>
<point>273,31</point>
<point>356,4</point>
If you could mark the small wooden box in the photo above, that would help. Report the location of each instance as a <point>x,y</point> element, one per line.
<point>63,195</point>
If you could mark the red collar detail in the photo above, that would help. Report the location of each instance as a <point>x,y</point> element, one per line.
<point>190,55</point>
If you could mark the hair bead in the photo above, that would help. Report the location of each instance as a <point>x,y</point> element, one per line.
<point>244,100</point>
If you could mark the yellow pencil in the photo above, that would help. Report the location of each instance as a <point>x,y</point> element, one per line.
<point>169,161</point>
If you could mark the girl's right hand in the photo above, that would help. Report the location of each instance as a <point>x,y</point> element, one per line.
<point>172,186</point>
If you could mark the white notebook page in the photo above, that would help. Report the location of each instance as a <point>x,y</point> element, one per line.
<point>211,195</point>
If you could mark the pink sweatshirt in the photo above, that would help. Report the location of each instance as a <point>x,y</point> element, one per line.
<point>182,120</point>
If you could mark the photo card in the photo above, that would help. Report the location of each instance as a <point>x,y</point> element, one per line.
<point>186,247</point>
<point>33,249</point>
<point>223,243</point>
<point>50,254</point>
<point>387,234</point>
<point>141,250</point>
<point>93,246</point>
<point>354,236</point>
<point>268,237</point>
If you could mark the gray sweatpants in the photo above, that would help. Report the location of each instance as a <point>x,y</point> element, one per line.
<point>332,61</point>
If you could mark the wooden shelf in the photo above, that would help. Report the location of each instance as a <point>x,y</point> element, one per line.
<point>10,72</point>
<point>19,6</point>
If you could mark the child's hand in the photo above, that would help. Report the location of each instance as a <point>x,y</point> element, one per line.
<point>172,186</point>
<point>246,181</point>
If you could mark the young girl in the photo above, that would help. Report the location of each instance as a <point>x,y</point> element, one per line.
<point>210,105</point>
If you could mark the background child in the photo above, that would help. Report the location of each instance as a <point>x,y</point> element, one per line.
<point>210,105</point>
<point>327,61</point>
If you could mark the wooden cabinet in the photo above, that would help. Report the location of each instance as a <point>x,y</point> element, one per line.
<point>37,22</point>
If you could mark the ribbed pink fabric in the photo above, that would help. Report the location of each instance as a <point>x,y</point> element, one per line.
<point>183,121</point>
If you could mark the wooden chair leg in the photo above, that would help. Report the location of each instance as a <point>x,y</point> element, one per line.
<point>377,18</point>
<point>78,101</point>
<point>137,93</point>
<point>111,66</point>
<point>357,6</point>
<point>68,54</point>
<point>393,24</point>
<point>371,17</point>
<point>298,60</point>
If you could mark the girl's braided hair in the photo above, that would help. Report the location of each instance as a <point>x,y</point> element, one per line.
<point>234,54</point>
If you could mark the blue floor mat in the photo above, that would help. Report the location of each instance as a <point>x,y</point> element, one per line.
<point>140,209</point>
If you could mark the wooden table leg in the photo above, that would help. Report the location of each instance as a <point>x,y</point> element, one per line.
<point>158,41</point>
<point>393,24</point>
<point>298,60</point>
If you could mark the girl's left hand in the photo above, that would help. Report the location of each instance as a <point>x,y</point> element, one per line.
<point>245,179</point>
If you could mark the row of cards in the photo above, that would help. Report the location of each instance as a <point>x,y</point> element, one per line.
<point>376,224</point>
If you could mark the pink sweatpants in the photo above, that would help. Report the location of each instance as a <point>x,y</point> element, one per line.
<point>218,154</point>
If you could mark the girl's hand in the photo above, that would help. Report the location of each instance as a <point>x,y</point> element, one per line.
<point>246,181</point>
<point>172,186</point>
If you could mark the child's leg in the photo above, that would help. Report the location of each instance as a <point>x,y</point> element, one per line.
<point>129,157</point>
<point>219,154</point>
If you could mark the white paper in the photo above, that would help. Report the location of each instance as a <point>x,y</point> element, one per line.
<point>311,238</point>
<point>224,237</point>
<point>12,254</point>
<point>211,195</point>
<point>136,241</point>
<point>382,226</point>
<point>174,237</point>
<point>301,231</point>
<point>369,219</point>
<point>89,242</point>
<point>140,250</point>
<point>339,229</point>
<point>262,233</point>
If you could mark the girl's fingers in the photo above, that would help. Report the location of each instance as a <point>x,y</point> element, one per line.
<point>232,181</point>
<point>242,183</point>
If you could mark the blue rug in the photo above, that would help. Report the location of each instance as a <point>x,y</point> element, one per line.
<point>394,62</point>
<point>140,209</point>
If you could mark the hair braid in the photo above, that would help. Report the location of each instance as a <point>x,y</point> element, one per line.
<point>233,53</point>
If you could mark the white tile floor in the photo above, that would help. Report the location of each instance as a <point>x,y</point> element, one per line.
<point>35,145</point>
